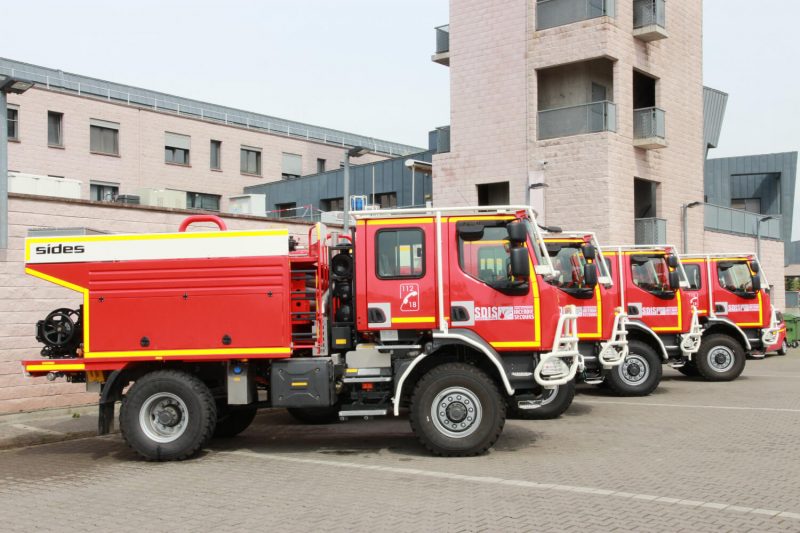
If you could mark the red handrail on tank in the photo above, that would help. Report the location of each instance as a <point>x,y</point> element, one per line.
<point>203,218</point>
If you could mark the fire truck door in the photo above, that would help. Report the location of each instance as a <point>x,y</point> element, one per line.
<point>735,297</point>
<point>401,274</point>
<point>649,295</point>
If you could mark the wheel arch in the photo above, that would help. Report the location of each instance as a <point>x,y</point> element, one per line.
<point>726,327</point>
<point>447,348</point>
<point>642,333</point>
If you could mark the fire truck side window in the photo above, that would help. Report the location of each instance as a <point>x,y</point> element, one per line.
<point>695,278</point>
<point>486,259</point>
<point>400,253</point>
<point>735,277</point>
<point>568,262</point>
<point>650,273</point>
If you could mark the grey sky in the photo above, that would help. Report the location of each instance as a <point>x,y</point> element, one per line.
<point>364,65</point>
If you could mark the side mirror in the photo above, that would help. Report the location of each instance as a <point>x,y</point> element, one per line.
<point>755,267</point>
<point>674,280</point>
<point>672,261</point>
<point>589,252</point>
<point>756,283</point>
<point>520,263</point>
<point>590,275</point>
<point>470,232</point>
<point>517,232</point>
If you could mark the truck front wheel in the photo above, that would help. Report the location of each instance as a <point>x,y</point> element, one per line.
<point>720,358</point>
<point>457,411</point>
<point>639,374</point>
<point>233,419</point>
<point>167,415</point>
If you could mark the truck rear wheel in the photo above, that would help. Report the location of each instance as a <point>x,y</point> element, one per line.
<point>721,358</point>
<point>639,374</point>
<point>457,411</point>
<point>167,415</point>
<point>233,419</point>
<point>552,403</point>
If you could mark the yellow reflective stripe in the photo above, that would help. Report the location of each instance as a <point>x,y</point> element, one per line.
<point>414,319</point>
<point>71,286</point>
<point>484,217</point>
<point>392,222</point>
<point>516,344</point>
<point>179,353</point>
<point>45,366</point>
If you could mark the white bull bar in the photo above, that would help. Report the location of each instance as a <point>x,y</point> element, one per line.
<point>769,336</point>
<point>565,348</point>
<point>614,351</point>
<point>690,342</point>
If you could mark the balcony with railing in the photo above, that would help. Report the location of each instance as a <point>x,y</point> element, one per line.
<point>650,230</point>
<point>737,221</point>
<point>578,119</point>
<point>442,55</point>
<point>649,128</point>
<point>650,20</point>
<point>552,13</point>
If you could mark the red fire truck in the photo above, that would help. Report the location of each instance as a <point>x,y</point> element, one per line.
<point>738,319</point>
<point>409,310</point>
<point>661,322</point>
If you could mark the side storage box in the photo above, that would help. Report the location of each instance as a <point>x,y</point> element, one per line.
<point>302,382</point>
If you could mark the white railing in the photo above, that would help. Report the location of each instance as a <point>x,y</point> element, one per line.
<point>649,13</point>
<point>649,122</point>
<point>575,120</point>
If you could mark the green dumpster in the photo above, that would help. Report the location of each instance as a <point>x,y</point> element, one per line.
<point>792,329</point>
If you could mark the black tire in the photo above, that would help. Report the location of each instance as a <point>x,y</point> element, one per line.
<point>689,369</point>
<point>315,415</point>
<point>188,412</point>
<point>233,419</point>
<point>721,358</point>
<point>784,349</point>
<point>639,374</point>
<point>474,406</point>
<point>554,403</point>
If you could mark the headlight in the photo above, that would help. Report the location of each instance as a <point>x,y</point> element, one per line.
<point>554,367</point>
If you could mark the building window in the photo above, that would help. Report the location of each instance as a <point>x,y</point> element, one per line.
<point>751,205</point>
<point>251,160</point>
<point>177,148</point>
<point>493,193</point>
<point>292,166</point>
<point>198,200</point>
<point>287,210</point>
<point>216,155</point>
<point>400,253</point>
<point>54,129</point>
<point>103,137</point>
<point>386,200</point>
<point>101,191</point>
<point>332,204</point>
<point>320,165</point>
<point>13,124</point>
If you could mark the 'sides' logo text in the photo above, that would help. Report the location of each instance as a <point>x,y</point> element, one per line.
<point>59,249</point>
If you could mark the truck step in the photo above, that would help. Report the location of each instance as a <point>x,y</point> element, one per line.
<point>593,381</point>
<point>363,411</point>
<point>368,379</point>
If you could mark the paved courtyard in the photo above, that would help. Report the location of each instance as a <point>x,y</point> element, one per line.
<point>694,456</point>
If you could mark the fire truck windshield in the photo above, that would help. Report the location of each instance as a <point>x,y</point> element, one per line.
<point>735,277</point>
<point>651,273</point>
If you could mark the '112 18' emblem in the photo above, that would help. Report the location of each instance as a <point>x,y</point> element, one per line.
<point>409,297</point>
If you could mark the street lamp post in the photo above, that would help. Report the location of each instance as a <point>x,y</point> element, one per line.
<point>685,223</point>
<point>7,86</point>
<point>356,151</point>
<point>758,233</point>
